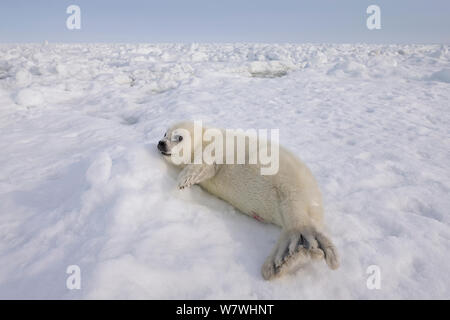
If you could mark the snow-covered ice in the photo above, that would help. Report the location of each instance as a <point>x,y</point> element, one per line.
<point>81,182</point>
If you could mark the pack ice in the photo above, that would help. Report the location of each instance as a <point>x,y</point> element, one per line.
<point>81,182</point>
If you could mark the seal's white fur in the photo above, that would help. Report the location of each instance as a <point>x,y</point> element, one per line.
<point>290,199</point>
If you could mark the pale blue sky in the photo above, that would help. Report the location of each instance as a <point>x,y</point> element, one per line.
<point>402,21</point>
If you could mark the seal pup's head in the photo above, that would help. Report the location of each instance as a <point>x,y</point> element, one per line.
<point>179,137</point>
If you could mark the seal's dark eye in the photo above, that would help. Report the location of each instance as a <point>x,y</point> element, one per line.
<point>180,138</point>
<point>165,134</point>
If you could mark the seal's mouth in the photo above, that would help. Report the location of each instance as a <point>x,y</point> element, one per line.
<point>165,153</point>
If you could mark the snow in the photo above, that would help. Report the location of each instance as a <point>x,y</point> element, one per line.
<point>23,77</point>
<point>81,182</point>
<point>29,97</point>
<point>442,75</point>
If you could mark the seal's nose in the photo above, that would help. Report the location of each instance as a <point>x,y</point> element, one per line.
<point>161,145</point>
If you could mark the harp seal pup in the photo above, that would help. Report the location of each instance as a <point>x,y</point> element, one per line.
<point>290,199</point>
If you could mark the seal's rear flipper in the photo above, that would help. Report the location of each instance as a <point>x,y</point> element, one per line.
<point>293,250</point>
<point>331,255</point>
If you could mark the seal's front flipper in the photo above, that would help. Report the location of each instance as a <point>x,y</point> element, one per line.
<point>195,173</point>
